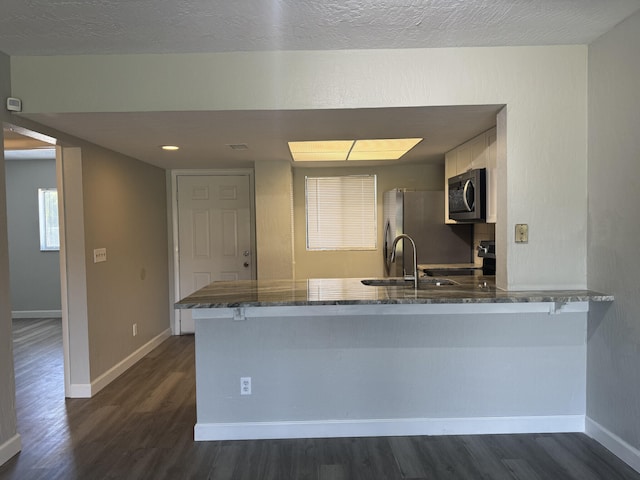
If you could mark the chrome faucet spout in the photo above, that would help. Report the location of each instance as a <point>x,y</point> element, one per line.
<point>415,256</point>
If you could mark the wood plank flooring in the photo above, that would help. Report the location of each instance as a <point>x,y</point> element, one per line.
<point>141,427</point>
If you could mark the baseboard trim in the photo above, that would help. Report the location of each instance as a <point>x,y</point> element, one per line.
<point>388,427</point>
<point>37,314</point>
<point>620,448</point>
<point>10,448</point>
<point>79,390</point>
<point>89,390</point>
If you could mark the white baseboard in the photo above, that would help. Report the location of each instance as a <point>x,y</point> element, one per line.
<point>79,390</point>
<point>89,390</point>
<point>37,314</point>
<point>10,448</point>
<point>620,448</point>
<point>388,427</point>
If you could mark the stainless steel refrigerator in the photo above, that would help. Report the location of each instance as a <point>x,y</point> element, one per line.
<point>420,214</point>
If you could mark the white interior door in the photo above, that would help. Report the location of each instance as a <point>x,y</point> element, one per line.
<point>214,233</point>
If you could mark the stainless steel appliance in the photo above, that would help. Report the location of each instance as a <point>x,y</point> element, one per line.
<point>418,214</point>
<point>487,251</point>
<point>467,196</point>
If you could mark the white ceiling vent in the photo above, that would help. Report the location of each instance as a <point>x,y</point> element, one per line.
<point>238,146</point>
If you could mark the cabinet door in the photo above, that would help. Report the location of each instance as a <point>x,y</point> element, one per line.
<point>478,151</point>
<point>492,184</point>
<point>465,157</point>
<point>450,170</point>
<point>491,148</point>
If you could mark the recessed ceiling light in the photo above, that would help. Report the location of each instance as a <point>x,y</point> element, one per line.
<point>170,147</point>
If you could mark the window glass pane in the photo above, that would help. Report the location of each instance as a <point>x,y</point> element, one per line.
<point>341,213</point>
<point>48,213</point>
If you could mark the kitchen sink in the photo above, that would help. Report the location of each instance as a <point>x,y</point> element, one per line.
<point>401,282</point>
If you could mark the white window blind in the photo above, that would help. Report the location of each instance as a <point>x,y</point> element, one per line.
<point>341,212</point>
<point>48,214</point>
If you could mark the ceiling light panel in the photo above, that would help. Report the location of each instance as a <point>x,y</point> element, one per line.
<point>319,156</point>
<point>386,145</point>
<point>321,146</point>
<point>316,151</point>
<point>341,150</point>
<point>382,155</point>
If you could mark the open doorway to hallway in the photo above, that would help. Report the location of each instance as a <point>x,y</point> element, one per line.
<point>34,262</point>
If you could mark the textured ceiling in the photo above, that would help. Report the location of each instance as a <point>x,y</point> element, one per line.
<point>69,27</point>
<point>54,27</point>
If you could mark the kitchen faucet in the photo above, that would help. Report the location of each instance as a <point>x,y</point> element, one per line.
<point>415,257</point>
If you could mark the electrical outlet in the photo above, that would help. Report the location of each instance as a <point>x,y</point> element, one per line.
<point>135,329</point>
<point>245,385</point>
<point>99,255</point>
<point>522,233</point>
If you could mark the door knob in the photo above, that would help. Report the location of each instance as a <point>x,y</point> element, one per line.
<point>246,264</point>
<point>246,253</point>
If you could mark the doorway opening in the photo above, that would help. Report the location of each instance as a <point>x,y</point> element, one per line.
<point>35,269</point>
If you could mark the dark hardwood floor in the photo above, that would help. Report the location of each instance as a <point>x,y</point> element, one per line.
<point>141,427</point>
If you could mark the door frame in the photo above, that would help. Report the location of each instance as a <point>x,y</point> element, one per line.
<point>175,244</point>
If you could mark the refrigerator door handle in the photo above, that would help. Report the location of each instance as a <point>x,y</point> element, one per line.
<point>385,247</point>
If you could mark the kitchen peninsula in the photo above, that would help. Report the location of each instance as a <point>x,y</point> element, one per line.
<point>335,357</point>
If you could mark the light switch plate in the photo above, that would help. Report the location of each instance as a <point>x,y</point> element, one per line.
<point>522,233</point>
<point>99,255</point>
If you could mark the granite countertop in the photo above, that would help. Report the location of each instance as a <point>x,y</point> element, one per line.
<point>350,291</point>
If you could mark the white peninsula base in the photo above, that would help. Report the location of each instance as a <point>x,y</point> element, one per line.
<point>387,370</point>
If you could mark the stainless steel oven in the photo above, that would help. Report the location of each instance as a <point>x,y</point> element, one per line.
<point>467,196</point>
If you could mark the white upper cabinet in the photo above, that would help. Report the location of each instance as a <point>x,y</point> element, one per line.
<point>464,158</point>
<point>479,152</point>
<point>450,170</point>
<point>492,180</point>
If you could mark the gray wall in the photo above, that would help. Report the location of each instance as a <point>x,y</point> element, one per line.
<point>358,363</point>
<point>613,386</point>
<point>7,384</point>
<point>125,211</point>
<point>35,275</point>
<point>119,203</point>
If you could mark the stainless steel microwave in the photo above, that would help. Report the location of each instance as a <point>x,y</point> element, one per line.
<point>467,196</point>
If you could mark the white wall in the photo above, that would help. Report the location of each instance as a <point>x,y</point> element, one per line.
<point>544,88</point>
<point>274,220</point>
<point>9,438</point>
<point>613,386</point>
<point>75,330</point>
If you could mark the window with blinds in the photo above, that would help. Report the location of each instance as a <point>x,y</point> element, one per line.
<point>48,216</point>
<point>341,212</point>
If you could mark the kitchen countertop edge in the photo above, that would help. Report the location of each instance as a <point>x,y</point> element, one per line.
<point>247,293</point>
